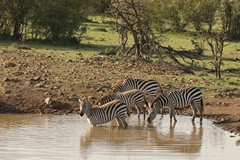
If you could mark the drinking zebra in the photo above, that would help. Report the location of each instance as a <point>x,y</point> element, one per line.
<point>178,99</point>
<point>149,87</point>
<point>133,98</point>
<point>105,113</point>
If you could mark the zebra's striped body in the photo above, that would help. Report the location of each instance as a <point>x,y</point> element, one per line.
<point>103,114</point>
<point>133,98</point>
<point>149,87</point>
<point>178,99</point>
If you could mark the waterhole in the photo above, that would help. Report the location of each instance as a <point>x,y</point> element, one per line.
<point>70,137</point>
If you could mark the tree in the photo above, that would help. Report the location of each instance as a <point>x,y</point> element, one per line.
<point>60,19</point>
<point>216,43</point>
<point>177,14</point>
<point>5,24</point>
<point>230,18</point>
<point>210,9</point>
<point>167,13</point>
<point>200,12</point>
<point>129,17</point>
<point>18,10</point>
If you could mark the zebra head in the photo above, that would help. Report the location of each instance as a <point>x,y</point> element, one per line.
<point>156,105</point>
<point>152,115</point>
<point>85,106</point>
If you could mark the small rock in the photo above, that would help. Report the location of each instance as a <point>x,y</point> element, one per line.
<point>6,79</point>
<point>48,100</point>
<point>70,60</point>
<point>9,64</point>
<point>37,78</point>
<point>60,94</point>
<point>39,85</point>
<point>47,93</point>
<point>6,91</point>
<point>222,119</point>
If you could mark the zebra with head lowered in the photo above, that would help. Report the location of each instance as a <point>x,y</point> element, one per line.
<point>105,113</point>
<point>149,87</point>
<point>178,99</point>
<point>133,98</point>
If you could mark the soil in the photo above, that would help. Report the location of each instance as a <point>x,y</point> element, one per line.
<point>32,82</point>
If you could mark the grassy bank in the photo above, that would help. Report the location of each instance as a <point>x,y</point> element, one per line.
<point>101,36</point>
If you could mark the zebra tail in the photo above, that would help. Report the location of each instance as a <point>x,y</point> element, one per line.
<point>161,90</point>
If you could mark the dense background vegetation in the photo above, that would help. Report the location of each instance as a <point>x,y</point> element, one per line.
<point>45,19</point>
<point>137,24</point>
<point>60,19</point>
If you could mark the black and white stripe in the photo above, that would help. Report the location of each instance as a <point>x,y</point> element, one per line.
<point>178,99</point>
<point>133,98</point>
<point>149,87</point>
<point>105,113</point>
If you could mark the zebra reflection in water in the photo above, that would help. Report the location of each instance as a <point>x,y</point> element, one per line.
<point>142,138</point>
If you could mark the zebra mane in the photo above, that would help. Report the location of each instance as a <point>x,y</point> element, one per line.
<point>105,105</point>
<point>103,97</point>
<point>129,91</point>
<point>117,86</point>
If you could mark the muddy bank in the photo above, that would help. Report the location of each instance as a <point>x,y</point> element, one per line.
<point>227,117</point>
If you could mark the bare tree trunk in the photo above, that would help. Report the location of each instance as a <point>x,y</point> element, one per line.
<point>216,43</point>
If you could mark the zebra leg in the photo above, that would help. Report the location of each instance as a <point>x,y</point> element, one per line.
<point>123,121</point>
<point>172,114</point>
<point>201,110</point>
<point>200,114</point>
<point>194,111</point>
<point>138,112</point>
<point>119,121</point>
<point>144,112</point>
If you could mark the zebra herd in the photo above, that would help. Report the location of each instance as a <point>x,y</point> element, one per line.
<point>143,95</point>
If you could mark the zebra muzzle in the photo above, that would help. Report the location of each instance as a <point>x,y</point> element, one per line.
<point>81,114</point>
<point>148,120</point>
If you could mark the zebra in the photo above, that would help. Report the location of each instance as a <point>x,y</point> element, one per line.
<point>105,113</point>
<point>133,98</point>
<point>151,88</point>
<point>178,99</point>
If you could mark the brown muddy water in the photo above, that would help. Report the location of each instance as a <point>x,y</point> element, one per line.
<point>70,137</point>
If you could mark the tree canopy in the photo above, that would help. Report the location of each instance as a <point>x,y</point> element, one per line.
<point>61,19</point>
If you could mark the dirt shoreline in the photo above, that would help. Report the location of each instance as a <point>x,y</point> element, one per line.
<point>28,80</point>
<point>228,120</point>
